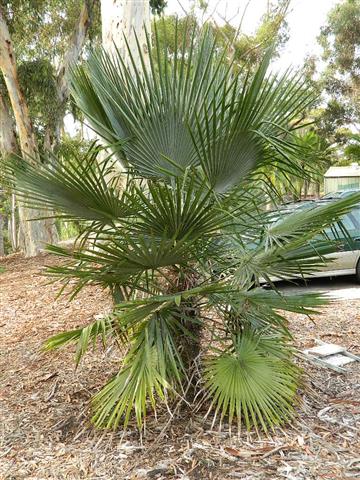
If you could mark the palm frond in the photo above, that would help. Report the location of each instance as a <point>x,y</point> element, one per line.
<point>251,382</point>
<point>152,369</point>
<point>191,110</point>
<point>183,210</point>
<point>310,222</point>
<point>100,328</point>
<point>76,189</point>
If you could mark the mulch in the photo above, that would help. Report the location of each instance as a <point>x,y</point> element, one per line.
<point>45,431</point>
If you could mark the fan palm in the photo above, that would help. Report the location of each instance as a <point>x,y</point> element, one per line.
<point>184,241</point>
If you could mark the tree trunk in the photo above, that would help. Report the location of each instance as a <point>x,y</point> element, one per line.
<point>8,142</point>
<point>2,249</point>
<point>122,19</point>
<point>12,230</point>
<point>8,146</point>
<point>37,232</point>
<point>76,43</point>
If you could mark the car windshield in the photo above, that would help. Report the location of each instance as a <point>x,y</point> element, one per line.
<point>340,194</point>
<point>350,221</point>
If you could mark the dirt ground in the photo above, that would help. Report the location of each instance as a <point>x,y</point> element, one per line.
<point>44,428</point>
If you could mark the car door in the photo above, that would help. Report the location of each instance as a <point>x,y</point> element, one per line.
<point>349,248</point>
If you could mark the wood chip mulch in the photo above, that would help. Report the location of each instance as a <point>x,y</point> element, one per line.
<point>45,431</point>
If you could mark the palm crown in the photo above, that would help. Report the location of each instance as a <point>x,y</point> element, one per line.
<point>181,236</point>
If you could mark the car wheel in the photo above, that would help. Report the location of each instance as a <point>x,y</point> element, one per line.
<point>357,274</point>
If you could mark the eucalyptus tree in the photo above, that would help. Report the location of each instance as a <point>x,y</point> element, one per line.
<point>36,93</point>
<point>245,49</point>
<point>340,41</point>
<point>338,78</point>
<point>121,20</point>
<point>184,246</point>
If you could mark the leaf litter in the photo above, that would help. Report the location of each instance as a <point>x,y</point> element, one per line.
<point>45,431</point>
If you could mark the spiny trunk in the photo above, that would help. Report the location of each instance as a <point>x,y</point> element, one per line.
<point>36,232</point>
<point>190,348</point>
<point>190,345</point>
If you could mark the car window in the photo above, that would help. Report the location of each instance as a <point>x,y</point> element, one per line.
<point>335,231</point>
<point>355,214</point>
<point>348,222</point>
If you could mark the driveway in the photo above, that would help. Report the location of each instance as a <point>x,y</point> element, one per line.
<point>341,288</point>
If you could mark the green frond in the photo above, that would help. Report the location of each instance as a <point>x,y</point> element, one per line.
<point>101,328</point>
<point>251,382</point>
<point>76,189</point>
<point>151,370</point>
<point>192,110</point>
<point>120,259</point>
<point>263,309</point>
<point>184,209</point>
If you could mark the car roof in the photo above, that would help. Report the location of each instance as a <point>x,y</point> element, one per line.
<point>339,194</point>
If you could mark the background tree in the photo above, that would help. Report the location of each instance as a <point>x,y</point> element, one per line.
<point>36,83</point>
<point>338,112</point>
<point>340,40</point>
<point>37,232</point>
<point>8,146</point>
<point>63,32</point>
<point>245,50</point>
<point>121,22</point>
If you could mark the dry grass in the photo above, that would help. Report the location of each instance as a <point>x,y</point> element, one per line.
<point>45,432</point>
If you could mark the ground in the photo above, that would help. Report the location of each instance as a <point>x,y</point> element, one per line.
<point>45,432</point>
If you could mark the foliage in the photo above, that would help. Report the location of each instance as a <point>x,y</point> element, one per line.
<point>40,29</point>
<point>352,150</point>
<point>181,235</point>
<point>157,6</point>
<point>244,50</point>
<point>340,39</point>
<point>253,380</point>
<point>38,82</point>
<point>314,156</point>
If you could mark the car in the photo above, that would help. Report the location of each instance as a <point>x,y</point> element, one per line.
<point>346,261</point>
<point>340,194</point>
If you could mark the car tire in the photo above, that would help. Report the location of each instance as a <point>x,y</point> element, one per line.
<point>357,273</point>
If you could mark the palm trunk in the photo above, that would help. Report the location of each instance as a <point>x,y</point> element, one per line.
<point>36,232</point>
<point>190,348</point>
<point>190,345</point>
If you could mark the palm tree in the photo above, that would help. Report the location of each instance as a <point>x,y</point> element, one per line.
<point>180,236</point>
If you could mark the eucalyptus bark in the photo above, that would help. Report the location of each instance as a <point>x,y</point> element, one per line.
<point>125,19</point>
<point>123,24</point>
<point>8,146</point>
<point>36,233</point>
<point>2,248</point>
<point>76,44</point>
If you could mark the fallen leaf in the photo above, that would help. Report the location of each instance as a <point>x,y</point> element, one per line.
<point>300,440</point>
<point>238,453</point>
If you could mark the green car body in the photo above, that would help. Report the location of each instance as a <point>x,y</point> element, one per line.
<point>346,260</point>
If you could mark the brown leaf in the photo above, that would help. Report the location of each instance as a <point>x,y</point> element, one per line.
<point>238,453</point>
